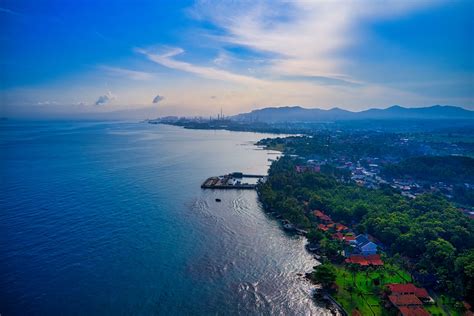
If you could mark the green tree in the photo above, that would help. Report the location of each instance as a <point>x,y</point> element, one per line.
<point>464,266</point>
<point>324,274</point>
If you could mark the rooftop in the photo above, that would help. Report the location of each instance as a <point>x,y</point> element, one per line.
<point>413,311</point>
<point>405,300</point>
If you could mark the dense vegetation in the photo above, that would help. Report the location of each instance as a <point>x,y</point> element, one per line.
<point>353,145</point>
<point>457,171</point>
<point>350,145</point>
<point>450,169</point>
<point>428,234</point>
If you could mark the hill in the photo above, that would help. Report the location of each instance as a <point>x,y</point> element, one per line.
<point>300,114</point>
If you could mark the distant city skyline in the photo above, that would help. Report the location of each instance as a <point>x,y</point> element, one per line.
<point>155,58</point>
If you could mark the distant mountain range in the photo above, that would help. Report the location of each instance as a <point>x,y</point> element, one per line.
<point>396,112</point>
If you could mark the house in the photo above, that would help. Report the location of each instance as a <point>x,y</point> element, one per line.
<point>364,246</point>
<point>402,289</point>
<point>349,238</point>
<point>410,289</point>
<point>301,169</point>
<point>467,307</point>
<point>357,259</point>
<point>413,311</point>
<point>409,300</point>
<point>323,227</point>
<point>339,236</point>
<point>408,305</point>
<point>423,295</point>
<point>322,217</point>
<point>373,260</point>
<point>341,228</point>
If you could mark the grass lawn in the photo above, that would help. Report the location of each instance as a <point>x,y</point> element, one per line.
<point>358,289</point>
<point>435,310</point>
<point>438,310</point>
<point>447,303</point>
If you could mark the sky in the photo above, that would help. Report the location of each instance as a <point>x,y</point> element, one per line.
<point>143,59</point>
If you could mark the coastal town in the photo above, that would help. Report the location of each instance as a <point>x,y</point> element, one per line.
<point>368,173</point>
<point>388,215</point>
<point>363,252</point>
<point>353,208</point>
<point>411,164</point>
<point>367,279</point>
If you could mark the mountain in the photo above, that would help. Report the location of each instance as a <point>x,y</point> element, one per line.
<point>396,112</point>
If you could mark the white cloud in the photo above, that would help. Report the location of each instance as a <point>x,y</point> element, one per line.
<point>104,99</point>
<point>302,38</point>
<point>47,102</point>
<point>158,98</point>
<point>167,59</point>
<point>299,39</point>
<point>131,74</point>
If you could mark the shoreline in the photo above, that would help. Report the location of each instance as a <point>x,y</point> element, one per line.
<point>269,130</point>
<point>331,303</point>
<point>326,300</point>
<point>360,282</point>
<point>318,294</point>
<point>289,227</point>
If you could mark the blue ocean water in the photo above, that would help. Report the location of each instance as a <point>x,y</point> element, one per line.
<point>102,218</point>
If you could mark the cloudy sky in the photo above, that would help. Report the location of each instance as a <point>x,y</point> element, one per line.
<point>147,58</point>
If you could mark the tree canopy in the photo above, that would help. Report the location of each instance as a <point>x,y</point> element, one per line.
<point>434,237</point>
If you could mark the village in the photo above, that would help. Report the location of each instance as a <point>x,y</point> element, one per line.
<point>368,280</point>
<point>367,173</point>
<point>363,261</point>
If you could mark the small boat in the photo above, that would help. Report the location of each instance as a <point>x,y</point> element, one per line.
<point>289,227</point>
<point>218,200</point>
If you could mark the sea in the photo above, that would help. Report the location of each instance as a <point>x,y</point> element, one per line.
<point>108,218</point>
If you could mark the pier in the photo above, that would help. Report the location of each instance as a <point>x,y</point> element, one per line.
<point>235,180</point>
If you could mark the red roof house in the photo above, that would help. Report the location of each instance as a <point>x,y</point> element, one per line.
<point>405,300</point>
<point>422,293</point>
<point>413,311</point>
<point>374,260</point>
<point>409,288</point>
<point>357,259</point>
<point>400,289</point>
<point>349,238</point>
<point>323,227</point>
<point>361,260</point>
<point>340,228</point>
<point>322,217</point>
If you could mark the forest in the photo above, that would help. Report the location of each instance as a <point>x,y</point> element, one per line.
<point>450,169</point>
<point>428,235</point>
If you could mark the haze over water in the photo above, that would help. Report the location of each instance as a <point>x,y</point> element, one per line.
<point>109,218</point>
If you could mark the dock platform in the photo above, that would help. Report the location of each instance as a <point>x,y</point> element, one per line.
<point>233,180</point>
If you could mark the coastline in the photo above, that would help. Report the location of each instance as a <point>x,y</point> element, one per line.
<point>326,298</point>
<point>318,294</point>
<point>266,129</point>
<point>339,300</point>
<point>360,283</point>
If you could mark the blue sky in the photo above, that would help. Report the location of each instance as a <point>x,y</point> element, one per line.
<point>136,58</point>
